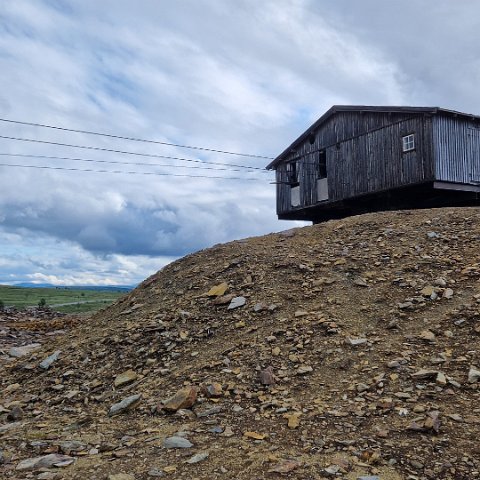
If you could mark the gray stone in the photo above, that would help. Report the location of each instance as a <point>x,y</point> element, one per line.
<point>18,352</point>
<point>15,414</point>
<point>46,461</point>
<point>304,369</point>
<point>177,442</point>
<point>45,364</point>
<point>473,375</point>
<point>448,293</point>
<point>155,472</point>
<point>259,307</point>
<point>199,457</point>
<point>368,477</point>
<point>237,302</point>
<point>125,405</point>
<point>49,476</point>
<point>424,374</point>
<point>356,341</point>
<point>68,446</point>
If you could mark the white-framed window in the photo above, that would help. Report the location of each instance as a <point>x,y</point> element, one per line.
<point>408,143</point>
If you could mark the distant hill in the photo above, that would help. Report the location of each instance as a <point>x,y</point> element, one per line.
<point>116,288</point>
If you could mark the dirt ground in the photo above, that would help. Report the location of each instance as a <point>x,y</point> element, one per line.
<point>342,350</point>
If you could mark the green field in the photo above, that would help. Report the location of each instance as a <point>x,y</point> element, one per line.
<point>59,299</point>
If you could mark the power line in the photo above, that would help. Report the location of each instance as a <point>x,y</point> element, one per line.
<point>123,152</point>
<point>71,169</point>
<point>133,139</point>
<point>74,159</point>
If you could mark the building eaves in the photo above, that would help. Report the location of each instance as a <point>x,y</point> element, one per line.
<point>362,108</point>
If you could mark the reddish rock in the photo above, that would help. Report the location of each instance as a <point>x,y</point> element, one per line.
<point>184,398</point>
<point>212,390</point>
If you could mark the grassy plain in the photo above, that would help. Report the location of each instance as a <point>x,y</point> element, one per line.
<point>60,299</point>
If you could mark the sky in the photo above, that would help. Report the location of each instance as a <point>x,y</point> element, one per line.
<point>238,76</point>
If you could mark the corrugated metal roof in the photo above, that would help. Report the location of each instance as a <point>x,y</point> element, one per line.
<point>364,108</point>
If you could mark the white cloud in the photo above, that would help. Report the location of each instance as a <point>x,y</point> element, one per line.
<point>234,75</point>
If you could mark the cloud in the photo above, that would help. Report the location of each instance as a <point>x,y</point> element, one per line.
<point>242,76</point>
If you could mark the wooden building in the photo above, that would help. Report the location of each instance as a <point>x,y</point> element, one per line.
<point>356,159</point>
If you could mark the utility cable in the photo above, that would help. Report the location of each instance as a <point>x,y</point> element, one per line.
<point>133,139</point>
<point>123,152</point>
<point>45,167</point>
<point>143,164</point>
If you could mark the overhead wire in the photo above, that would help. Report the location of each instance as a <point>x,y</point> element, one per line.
<point>71,169</point>
<point>133,139</point>
<point>124,152</point>
<point>116,162</point>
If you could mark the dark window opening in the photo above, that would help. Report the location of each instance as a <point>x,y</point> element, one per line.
<point>292,174</point>
<point>311,138</point>
<point>322,164</point>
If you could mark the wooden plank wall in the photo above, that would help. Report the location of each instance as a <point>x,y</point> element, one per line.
<point>456,149</point>
<point>362,157</point>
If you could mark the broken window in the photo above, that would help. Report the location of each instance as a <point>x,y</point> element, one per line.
<point>322,164</point>
<point>292,174</point>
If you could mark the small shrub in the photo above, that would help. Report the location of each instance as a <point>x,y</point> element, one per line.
<point>42,303</point>
<point>2,305</point>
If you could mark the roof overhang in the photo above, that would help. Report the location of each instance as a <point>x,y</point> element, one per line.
<point>359,109</point>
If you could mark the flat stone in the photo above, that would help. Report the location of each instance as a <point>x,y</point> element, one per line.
<point>259,307</point>
<point>223,299</point>
<point>473,375</point>
<point>427,335</point>
<point>199,457</point>
<point>46,461</point>
<point>126,404</point>
<point>356,341</point>
<point>70,446</point>
<point>424,374</point>
<point>237,302</point>
<point>124,378</point>
<point>304,369</point>
<point>448,293</point>
<point>18,352</point>
<point>360,282</point>
<point>441,378</point>
<point>427,291</point>
<point>121,476</point>
<point>47,362</point>
<point>213,390</point>
<point>293,419</point>
<point>49,476</point>
<point>177,442</point>
<point>184,398</point>
<point>218,290</point>
<point>156,472</point>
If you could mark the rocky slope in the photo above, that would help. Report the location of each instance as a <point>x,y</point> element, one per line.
<point>344,350</point>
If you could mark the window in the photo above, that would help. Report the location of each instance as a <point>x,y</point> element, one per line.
<point>408,143</point>
<point>322,164</point>
<point>292,174</point>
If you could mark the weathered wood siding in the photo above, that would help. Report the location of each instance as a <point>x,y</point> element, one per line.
<point>456,149</point>
<point>364,155</point>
